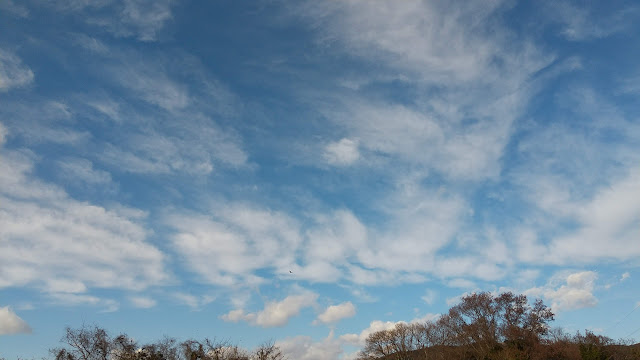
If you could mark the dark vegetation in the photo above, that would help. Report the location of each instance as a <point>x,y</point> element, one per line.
<point>481,327</point>
<point>94,343</point>
<point>487,327</point>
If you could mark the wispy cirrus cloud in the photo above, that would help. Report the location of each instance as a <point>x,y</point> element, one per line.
<point>139,19</point>
<point>13,73</point>
<point>143,302</point>
<point>578,174</point>
<point>583,23</point>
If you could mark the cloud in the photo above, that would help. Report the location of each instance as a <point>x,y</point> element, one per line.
<point>429,297</point>
<point>14,9</point>
<point>625,276</point>
<point>184,96</point>
<point>142,302</point>
<point>150,82</point>
<point>13,74</point>
<point>10,323</point>
<point>336,313</point>
<point>304,348</point>
<point>81,171</point>
<point>141,19</point>
<point>241,238</point>
<point>90,43</point>
<point>108,247</point>
<point>581,22</point>
<point>577,174</point>
<point>193,301</point>
<point>341,153</point>
<point>575,291</point>
<point>3,134</point>
<point>42,121</point>
<point>71,299</point>
<point>477,74</point>
<point>378,325</point>
<point>435,39</point>
<point>605,224</point>
<point>275,313</point>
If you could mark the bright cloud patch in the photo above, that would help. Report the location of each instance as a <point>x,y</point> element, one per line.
<point>108,247</point>
<point>10,323</point>
<point>240,238</point>
<point>276,313</point>
<point>335,313</point>
<point>304,348</point>
<point>576,292</point>
<point>343,152</point>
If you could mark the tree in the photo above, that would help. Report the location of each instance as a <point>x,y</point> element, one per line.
<point>482,326</point>
<point>268,351</point>
<point>85,343</point>
<point>212,350</point>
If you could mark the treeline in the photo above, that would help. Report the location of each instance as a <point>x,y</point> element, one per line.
<point>94,343</point>
<point>481,327</point>
<point>487,327</point>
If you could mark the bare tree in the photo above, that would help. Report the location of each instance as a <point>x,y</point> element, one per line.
<point>85,343</point>
<point>268,351</point>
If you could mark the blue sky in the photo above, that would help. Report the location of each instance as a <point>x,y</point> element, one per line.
<point>309,172</point>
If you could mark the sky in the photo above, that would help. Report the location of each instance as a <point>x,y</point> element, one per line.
<point>308,172</point>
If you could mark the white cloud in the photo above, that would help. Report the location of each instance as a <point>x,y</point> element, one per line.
<point>336,313</point>
<point>625,276</point>
<point>275,313</point>
<point>576,175</point>
<point>378,325</point>
<point>438,40</point>
<point>108,246</point>
<point>334,238</point>
<point>606,225</point>
<point>142,302</point>
<point>13,74</point>
<point>341,153</point>
<point>575,292</point>
<point>304,348</point>
<point>10,323</point>
<point>475,72</point>
<point>241,239</point>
